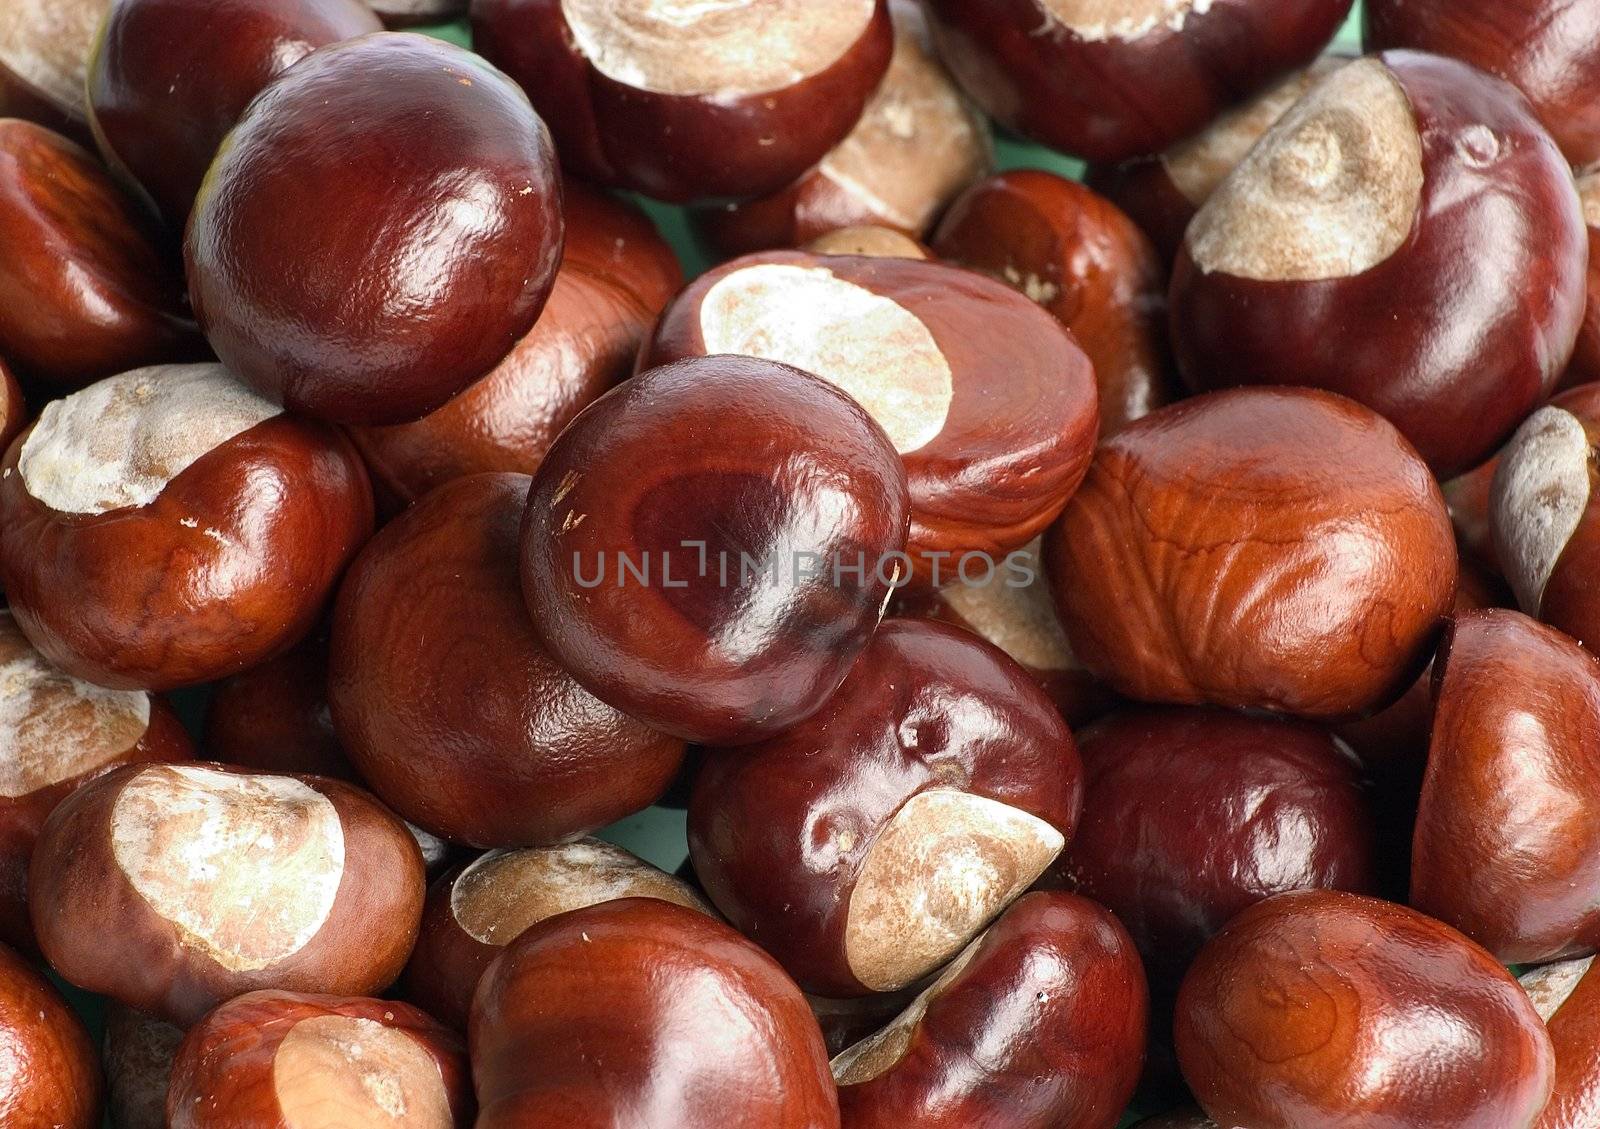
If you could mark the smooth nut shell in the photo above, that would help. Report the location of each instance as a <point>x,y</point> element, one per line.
<point>448,705</point>
<point>52,1079</point>
<point>1321,1008</point>
<point>1574,1025</point>
<point>326,178</point>
<point>275,717</point>
<point>655,984</point>
<point>1217,554</point>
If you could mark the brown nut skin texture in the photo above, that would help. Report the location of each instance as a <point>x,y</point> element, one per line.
<point>1021,427</point>
<point>52,1076</point>
<point>1461,359</point>
<point>410,13</point>
<point>846,1022</point>
<point>1549,49</point>
<point>98,932</point>
<point>1507,842</point>
<point>22,818</point>
<point>326,179</point>
<point>739,455</point>
<point>1217,555</point>
<point>85,290</point>
<point>1095,270</point>
<point>927,706</point>
<point>1321,1008</point>
<point>1585,365</point>
<point>137,1051</point>
<point>1115,99</point>
<point>447,704</point>
<point>275,717</point>
<point>169,78</point>
<point>135,598</point>
<point>677,148</point>
<point>1191,815</point>
<point>13,408</point>
<point>223,1076</point>
<point>616,276</point>
<point>1575,1034</point>
<point>654,984</point>
<point>1043,1028</point>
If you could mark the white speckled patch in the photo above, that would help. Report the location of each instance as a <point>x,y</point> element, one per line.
<point>120,442</point>
<point>338,1071</point>
<point>46,43</point>
<point>247,867</point>
<point>1540,491</point>
<point>868,345</point>
<point>1550,985</point>
<point>1332,190</point>
<point>1123,20</point>
<point>879,1052</point>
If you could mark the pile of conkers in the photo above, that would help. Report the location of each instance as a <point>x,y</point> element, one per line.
<point>1122,648</point>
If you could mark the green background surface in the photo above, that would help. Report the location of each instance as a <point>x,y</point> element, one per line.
<point>657,834</point>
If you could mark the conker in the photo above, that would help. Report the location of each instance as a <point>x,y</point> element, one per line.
<point>1507,839</point>
<point>454,231</point>
<point>1354,220</point>
<point>616,275</point>
<point>1585,366</point>
<point>709,546</point>
<point>168,526</point>
<point>476,910</point>
<point>286,1060</point>
<point>51,1079</point>
<point>44,52</point>
<point>1163,191</point>
<point>138,1054</point>
<point>85,291</point>
<point>174,887</point>
<point>1322,1008</point>
<point>918,143</point>
<point>988,400</point>
<point>275,717</point>
<point>603,1016</point>
<point>871,241</point>
<point>1111,79</point>
<point>56,733</point>
<point>448,705</point>
<point>1216,554</point>
<point>1039,1024</point>
<point>169,78</point>
<point>1079,257</point>
<point>865,846</point>
<point>1545,535</point>
<point>1549,49</point>
<point>682,100</point>
<point>1567,996</point>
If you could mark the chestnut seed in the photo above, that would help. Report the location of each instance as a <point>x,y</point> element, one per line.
<point>56,733</point>
<point>1549,49</point>
<point>1017,614</point>
<point>139,1050</point>
<point>1111,79</point>
<point>275,717</point>
<point>84,290</point>
<point>448,705</point>
<point>1378,184</point>
<point>1585,366</point>
<point>1321,1008</point>
<point>476,910</point>
<point>13,408</point>
<point>44,52</point>
<point>174,887</point>
<point>1545,535</point>
<point>301,1061</point>
<point>616,275</point>
<point>873,242</point>
<point>51,1079</point>
<point>918,143</point>
<point>1038,1024</point>
<point>1163,191</point>
<point>865,846</point>
<point>682,100</point>
<point>326,178</point>
<point>169,78</point>
<point>655,985</point>
<point>168,526</point>
<point>1567,997</point>
<point>1506,837</point>
<point>1079,257</point>
<point>1216,555</point>
<point>709,546</point>
<point>988,400</point>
